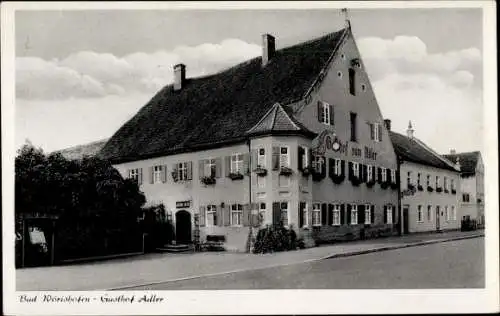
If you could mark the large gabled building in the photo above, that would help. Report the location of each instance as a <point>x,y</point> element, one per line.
<point>293,137</point>
<point>472,183</point>
<point>428,184</point>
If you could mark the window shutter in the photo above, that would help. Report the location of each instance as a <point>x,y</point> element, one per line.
<point>360,172</point>
<point>311,157</point>
<point>372,213</point>
<point>342,214</point>
<point>254,159</point>
<point>348,214</point>
<point>361,214</point>
<point>300,151</point>
<point>320,111</point>
<point>226,211</point>
<point>189,170</point>
<point>246,163</point>
<point>372,131</point>
<point>394,215</point>
<point>380,132</point>
<point>227,165</point>
<point>342,167</point>
<point>331,115</point>
<point>201,169</point>
<point>385,214</point>
<point>323,168</point>
<point>219,216</point>
<point>331,167</point>
<point>301,213</point>
<point>389,174</point>
<point>202,216</point>
<point>379,175</point>
<point>324,214</point>
<point>350,170</point>
<point>151,175</point>
<point>330,214</point>
<point>140,176</point>
<point>164,174</point>
<point>246,215</point>
<point>276,158</point>
<point>276,213</point>
<point>218,167</point>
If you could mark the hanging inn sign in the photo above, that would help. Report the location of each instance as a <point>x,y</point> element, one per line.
<point>327,140</point>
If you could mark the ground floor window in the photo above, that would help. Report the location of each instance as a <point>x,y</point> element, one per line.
<point>284,213</point>
<point>316,214</point>
<point>420,214</point>
<point>336,215</point>
<point>354,214</point>
<point>446,214</point>
<point>236,214</point>
<point>388,215</point>
<point>453,213</point>
<point>429,213</point>
<point>368,214</point>
<point>211,215</point>
<point>305,215</point>
<point>262,212</point>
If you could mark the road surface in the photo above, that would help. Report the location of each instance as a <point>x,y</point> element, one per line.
<point>454,264</point>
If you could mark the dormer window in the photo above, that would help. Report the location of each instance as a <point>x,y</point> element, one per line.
<point>375,131</point>
<point>325,113</point>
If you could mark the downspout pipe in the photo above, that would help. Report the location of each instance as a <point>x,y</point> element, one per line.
<point>400,210</point>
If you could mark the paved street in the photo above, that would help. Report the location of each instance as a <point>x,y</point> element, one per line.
<point>454,264</point>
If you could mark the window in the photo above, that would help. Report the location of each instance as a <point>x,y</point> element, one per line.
<point>339,74</point>
<point>369,172</point>
<point>465,197</point>
<point>375,131</point>
<point>261,158</point>
<point>211,215</point>
<point>445,183</point>
<point>262,211</point>
<point>420,214</point>
<point>305,217</point>
<point>237,163</point>
<point>324,113</point>
<point>305,157</point>
<point>210,167</point>
<point>353,126</point>
<point>182,171</point>
<point>316,214</point>
<point>446,214</point>
<point>355,169</point>
<point>236,214</point>
<point>437,181</point>
<point>418,178</point>
<point>157,172</point>
<point>363,87</point>
<point>428,180</point>
<point>336,215</point>
<point>368,214</point>
<point>384,174</point>
<point>342,56</point>
<point>453,184</point>
<point>134,174</point>
<point>389,214</point>
<point>284,157</point>
<point>453,213</point>
<point>318,163</point>
<point>337,168</point>
<point>393,175</point>
<point>354,214</point>
<point>429,213</point>
<point>284,213</point>
<point>352,81</point>
<point>408,179</point>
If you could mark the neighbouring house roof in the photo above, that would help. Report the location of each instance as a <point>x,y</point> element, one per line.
<point>414,150</point>
<point>85,150</point>
<point>224,107</point>
<point>468,161</point>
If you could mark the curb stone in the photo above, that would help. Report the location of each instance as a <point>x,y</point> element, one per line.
<point>415,244</point>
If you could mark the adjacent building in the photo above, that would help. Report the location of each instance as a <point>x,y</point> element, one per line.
<point>471,184</point>
<point>428,184</point>
<point>294,136</point>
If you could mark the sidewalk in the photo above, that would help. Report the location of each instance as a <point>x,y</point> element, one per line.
<point>157,268</point>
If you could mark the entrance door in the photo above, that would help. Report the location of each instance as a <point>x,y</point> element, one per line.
<point>438,218</point>
<point>406,219</point>
<point>183,227</point>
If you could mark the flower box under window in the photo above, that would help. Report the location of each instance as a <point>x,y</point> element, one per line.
<point>317,176</point>
<point>420,187</point>
<point>430,189</point>
<point>175,175</point>
<point>355,180</point>
<point>439,190</point>
<point>337,178</point>
<point>260,171</point>
<point>208,180</point>
<point>446,191</point>
<point>411,187</point>
<point>307,171</point>
<point>235,176</point>
<point>370,183</point>
<point>285,171</point>
<point>453,191</point>
<point>394,186</point>
<point>384,185</point>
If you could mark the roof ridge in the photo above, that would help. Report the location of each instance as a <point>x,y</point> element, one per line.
<point>287,116</point>
<point>432,151</point>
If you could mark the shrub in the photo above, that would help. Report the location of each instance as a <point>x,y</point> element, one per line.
<point>274,239</point>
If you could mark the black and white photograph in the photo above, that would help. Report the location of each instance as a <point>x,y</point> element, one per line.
<point>176,156</point>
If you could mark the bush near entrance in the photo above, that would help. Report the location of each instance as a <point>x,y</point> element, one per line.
<point>274,239</point>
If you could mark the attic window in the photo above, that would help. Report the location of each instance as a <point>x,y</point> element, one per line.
<point>352,81</point>
<point>339,74</point>
<point>342,56</point>
<point>363,87</point>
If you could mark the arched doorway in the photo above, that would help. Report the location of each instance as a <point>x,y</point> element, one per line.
<point>183,227</point>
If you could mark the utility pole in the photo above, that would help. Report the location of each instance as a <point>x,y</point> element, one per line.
<point>346,17</point>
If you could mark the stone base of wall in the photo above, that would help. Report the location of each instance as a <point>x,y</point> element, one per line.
<point>306,236</point>
<point>331,234</point>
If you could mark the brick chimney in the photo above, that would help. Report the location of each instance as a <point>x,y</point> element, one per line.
<point>453,151</point>
<point>179,76</point>
<point>410,130</point>
<point>268,48</point>
<point>387,124</point>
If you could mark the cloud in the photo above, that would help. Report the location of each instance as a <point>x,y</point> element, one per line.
<point>91,74</point>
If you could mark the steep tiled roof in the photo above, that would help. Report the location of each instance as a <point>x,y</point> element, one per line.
<point>220,108</point>
<point>468,161</point>
<point>80,151</point>
<point>279,119</point>
<point>414,150</point>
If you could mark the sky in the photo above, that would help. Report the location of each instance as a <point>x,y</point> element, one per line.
<point>81,74</point>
